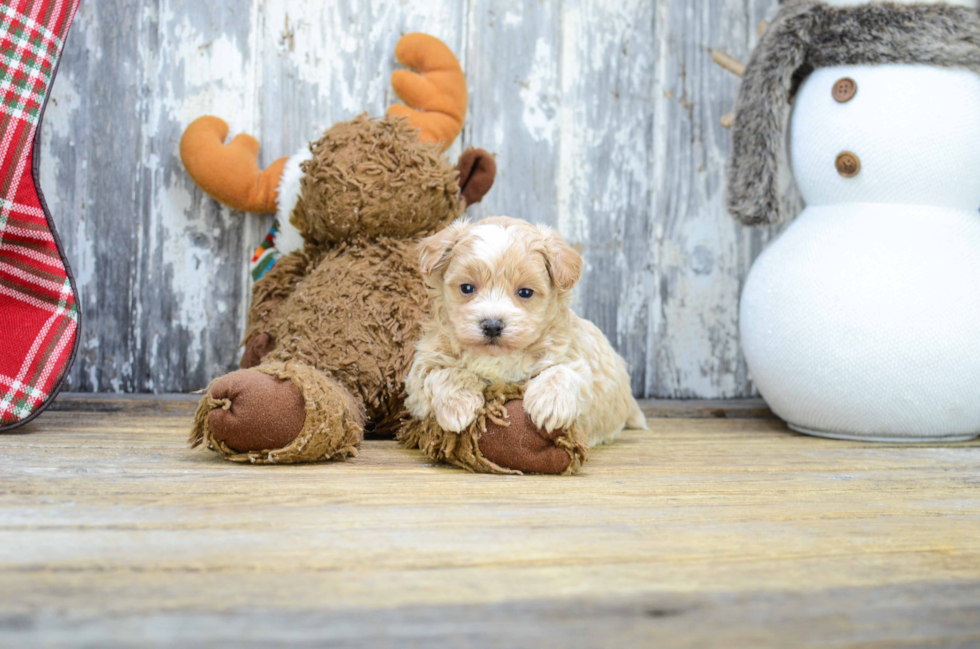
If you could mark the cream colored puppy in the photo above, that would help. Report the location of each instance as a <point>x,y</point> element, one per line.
<point>500,290</point>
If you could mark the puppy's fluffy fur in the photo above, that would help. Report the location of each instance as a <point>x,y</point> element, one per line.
<point>483,272</point>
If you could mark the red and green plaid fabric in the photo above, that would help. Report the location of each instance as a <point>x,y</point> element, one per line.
<point>38,314</point>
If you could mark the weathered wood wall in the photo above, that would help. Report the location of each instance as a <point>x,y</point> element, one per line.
<point>604,115</point>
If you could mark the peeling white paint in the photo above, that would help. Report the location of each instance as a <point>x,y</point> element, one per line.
<point>573,164</point>
<point>86,26</point>
<point>57,135</point>
<point>539,96</point>
<point>191,266</point>
<point>63,104</point>
<point>512,19</point>
<point>214,80</point>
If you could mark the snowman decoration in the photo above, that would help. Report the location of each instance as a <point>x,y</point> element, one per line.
<point>862,320</point>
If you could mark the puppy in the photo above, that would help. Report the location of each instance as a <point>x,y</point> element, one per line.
<point>500,290</point>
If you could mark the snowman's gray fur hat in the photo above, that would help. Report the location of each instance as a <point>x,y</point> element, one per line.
<point>807,34</point>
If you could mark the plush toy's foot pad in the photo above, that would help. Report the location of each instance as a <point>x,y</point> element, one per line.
<point>522,446</point>
<point>502,440</point>
<point>258,411</point>
<point>279,413</point>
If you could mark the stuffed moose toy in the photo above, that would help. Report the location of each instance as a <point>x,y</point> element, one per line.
<point>333,323</point>
<point>335,319</point>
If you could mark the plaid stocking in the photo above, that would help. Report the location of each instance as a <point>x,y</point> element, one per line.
<point>38,313</point>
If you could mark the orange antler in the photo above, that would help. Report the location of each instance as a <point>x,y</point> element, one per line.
<point>435,92</point>
<point>229,174</point>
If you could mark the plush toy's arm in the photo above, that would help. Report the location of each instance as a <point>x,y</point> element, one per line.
<point>268,294</point>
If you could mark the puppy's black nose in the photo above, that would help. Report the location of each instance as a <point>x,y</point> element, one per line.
<point>492,327</point>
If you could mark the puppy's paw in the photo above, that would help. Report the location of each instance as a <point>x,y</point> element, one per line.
<point>456,410</point>
<point>550,405</point>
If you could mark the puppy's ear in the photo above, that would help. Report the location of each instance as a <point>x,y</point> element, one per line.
<point>436,251</point>
<point>564,264</point>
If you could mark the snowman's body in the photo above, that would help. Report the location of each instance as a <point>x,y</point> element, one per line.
<point>863,319</point>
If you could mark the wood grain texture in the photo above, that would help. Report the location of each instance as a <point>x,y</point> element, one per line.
<point>106,402</point>
<point>703,532</point>
<point>604,116</point>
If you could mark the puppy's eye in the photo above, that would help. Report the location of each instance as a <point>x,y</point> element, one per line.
<point>467,289</point>
<point>525,293</point>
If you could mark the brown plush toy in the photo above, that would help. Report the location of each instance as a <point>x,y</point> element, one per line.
<point>502,440</point>
<point>333,324</point>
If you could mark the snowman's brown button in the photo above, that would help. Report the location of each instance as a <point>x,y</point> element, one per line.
<point>845,89</point>
<point>848,164</point>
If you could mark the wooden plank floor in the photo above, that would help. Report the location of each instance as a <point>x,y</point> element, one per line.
<point>719,530</point>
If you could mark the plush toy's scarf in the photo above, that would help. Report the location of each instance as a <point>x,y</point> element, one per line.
<point>806,35</point>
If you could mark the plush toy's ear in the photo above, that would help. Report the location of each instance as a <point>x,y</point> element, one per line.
<point>761,113</point>
<point>229,173</point>
<point>564,264</point>
<point>477,171</point>
<point>436,251</point>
